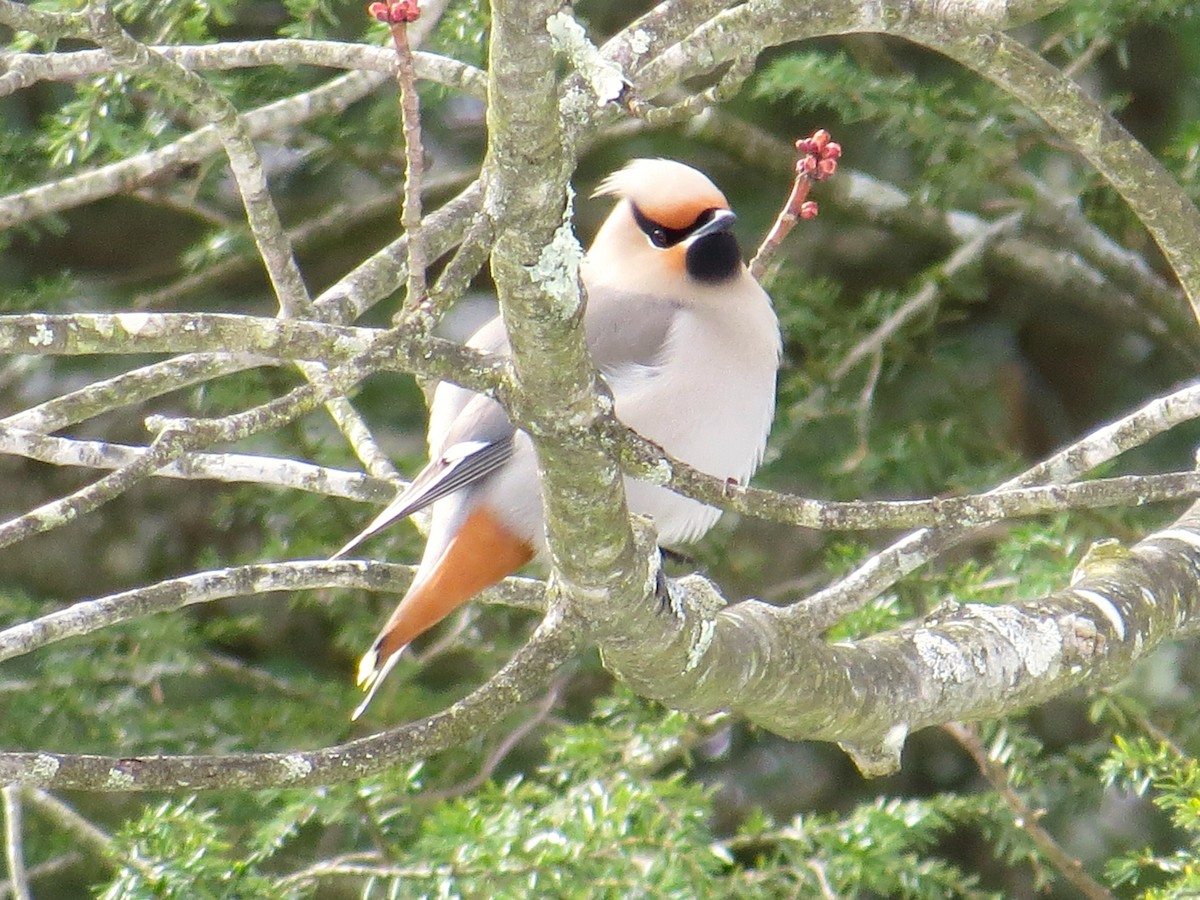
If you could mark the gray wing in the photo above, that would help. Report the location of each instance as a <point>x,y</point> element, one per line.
<point>471,436</point>
<point>479,442</point>
<point>627,330</point>
<point>450,400</point>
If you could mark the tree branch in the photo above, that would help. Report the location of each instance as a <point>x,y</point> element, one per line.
<point>120,177</point>
<point>230,467</point>
<point>88,616</point>
<point>914,550</point>
<point>23,70</point>
<point>1024,817</point>
<point>527,675</point>
<point>535,264</point>
<point>14,839</point>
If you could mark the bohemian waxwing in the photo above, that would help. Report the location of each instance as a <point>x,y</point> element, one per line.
<point>689,346</point>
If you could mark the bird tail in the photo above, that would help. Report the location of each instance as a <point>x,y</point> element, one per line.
<point>482,552</point>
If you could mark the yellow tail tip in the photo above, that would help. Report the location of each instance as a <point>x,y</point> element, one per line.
<point>371,675</point>
<point>368,668</point>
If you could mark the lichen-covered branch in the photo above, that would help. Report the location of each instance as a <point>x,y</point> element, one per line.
<point>129,389</point>
<point>366,350</point>
<point>963,662</point>
<point>535,263</point>
<point>959,662</point>
<point>86,333</point>
<point>1025,817</point>
<point>888,566</point>
<point>23,70</point>
<point>229,467</point>
<point>88,616</point>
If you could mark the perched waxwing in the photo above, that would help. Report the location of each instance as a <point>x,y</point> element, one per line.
<point>689,346</point>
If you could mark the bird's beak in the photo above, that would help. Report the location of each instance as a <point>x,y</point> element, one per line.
<point>722,220</point>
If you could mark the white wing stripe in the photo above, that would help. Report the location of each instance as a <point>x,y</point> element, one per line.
<point>461,465</point>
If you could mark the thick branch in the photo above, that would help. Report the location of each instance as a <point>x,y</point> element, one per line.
<point>959,663</point>
<point>535,264</point>
<point>88,333</point>
<point>281,339</point>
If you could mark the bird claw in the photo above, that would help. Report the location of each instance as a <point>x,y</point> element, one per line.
<point>667,601</point>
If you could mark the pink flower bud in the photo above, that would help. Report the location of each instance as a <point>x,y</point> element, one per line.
<point>808,209</point>
<point>825,168</point>
<point>405,11</point>
<point>833,150</point>
<point>820,138</point>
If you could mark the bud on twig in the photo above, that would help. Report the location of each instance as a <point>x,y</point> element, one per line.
<point>395,12</point>
<point>819,155</point>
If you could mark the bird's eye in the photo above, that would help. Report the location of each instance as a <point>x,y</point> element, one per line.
<point>658,237</point>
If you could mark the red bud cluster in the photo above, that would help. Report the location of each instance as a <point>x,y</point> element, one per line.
<point>395,12</point>
<point>819,155</point>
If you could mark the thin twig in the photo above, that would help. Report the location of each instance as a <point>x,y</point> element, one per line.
<point>85,832</point>
<point>398,15</point>
<point>968,255</point>
<point>454,279</point>
<point>827,890</point>
<point>88,616</point>
<point>818,160</point>
<point>1025,817</point>
<point>374,827</point>
<point>165,448</point>
<point>1145,723</point>
<point>499,752</point>
<point>888,566</point>
<point>14,837</point>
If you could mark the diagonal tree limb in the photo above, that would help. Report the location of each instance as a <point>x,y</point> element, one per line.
<point>529,674</point>
<point>88,616</point>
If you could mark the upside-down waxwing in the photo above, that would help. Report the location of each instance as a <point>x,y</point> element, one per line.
<point>689,346</point>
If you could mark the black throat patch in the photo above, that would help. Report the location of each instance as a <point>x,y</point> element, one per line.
<point>715,257</point>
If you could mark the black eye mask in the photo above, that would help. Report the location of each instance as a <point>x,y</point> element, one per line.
<point>660,235</point>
